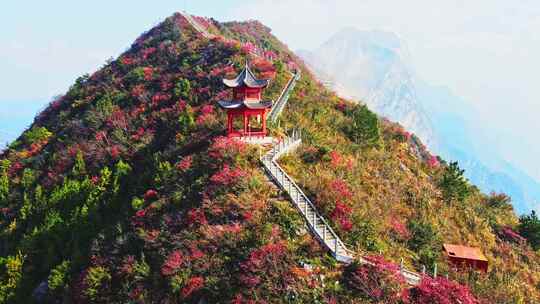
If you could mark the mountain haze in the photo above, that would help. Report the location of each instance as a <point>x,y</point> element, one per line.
<point>375,67</point>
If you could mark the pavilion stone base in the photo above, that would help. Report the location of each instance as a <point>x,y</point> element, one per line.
<point>258,140</point>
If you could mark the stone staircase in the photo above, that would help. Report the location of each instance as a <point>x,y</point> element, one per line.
<point>281,102</point>
<point>197,26</point>
<point>316,223</point>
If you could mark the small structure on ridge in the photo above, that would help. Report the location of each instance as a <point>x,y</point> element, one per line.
<point>246,105</point>
<point>464,257</point>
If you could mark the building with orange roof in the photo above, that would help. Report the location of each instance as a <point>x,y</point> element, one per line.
<point>466,257</point>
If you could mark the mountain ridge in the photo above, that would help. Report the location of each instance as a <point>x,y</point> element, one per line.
<point>125,189</point>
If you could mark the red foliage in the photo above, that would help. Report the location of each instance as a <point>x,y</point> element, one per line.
<point>95,180</point>
<point>185,163</point>
<point>265,67</point>
<point>194,284</point>
<point>140,213</point>
<point>400,229</point>
<point>259,261</point>
<point>248,48</point>
<point>138,90</point>
<point>341,188</point>
<point>206,114</point>
<point>510,235</point>
<point>118,119</point>
<point>380,281</point>
<point>342,106</point>
<point>115,151</point>
<point>433,161</point>
<point>224,147</point>
<point>341,214</point>
<point>101,136</point>
<point>126,60</point>
<point>15,167</point>
<point>172,263</point>
<point>196,217</point>
<point>127,265</point>
<point>335,159</point>
<point>442,291</point>
<point>148,73</point>
<point>340,210</point>
<point>228,176</point>
<point>165,85</point>
<point>150,195</point>
<point>159,98</point>
<point>147,52</point>
<point>195,253</point>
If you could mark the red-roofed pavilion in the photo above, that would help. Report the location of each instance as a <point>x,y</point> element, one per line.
<point>246,104</point>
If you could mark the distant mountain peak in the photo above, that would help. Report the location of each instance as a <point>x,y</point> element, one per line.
<point>373,66</point>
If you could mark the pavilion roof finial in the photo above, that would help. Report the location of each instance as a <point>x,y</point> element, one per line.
<point>246,78</point>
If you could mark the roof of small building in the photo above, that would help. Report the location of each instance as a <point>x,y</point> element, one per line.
<point>250,105</point>
<point>464,252</point>
<point>246,78</point>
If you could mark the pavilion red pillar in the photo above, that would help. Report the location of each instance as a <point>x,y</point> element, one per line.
<point>229,123</point>
<point>264,122</point>
<point>245,123</point>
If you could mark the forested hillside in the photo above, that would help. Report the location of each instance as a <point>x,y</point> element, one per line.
<point>124,190</point>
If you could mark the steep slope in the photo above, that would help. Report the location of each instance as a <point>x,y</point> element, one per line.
<point>125,190</point>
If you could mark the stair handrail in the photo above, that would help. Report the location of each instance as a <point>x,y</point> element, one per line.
<point>275,153</point>
<point>277,107</point>
<point>411,277</point>
<point>315,210</point>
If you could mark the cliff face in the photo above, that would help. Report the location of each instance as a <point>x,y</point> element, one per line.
<point>125,190</point>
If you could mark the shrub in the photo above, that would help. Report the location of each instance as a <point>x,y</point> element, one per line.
<point>499,200</point>
<point>5,165</point>
<point>96,280</point>
<point>453,184</point>
<point>184,164</point>
<point>441,291</point>
<point>228,176</point>
<point>11,276</point>
<point>425,241</point>
<point>150,195</point>
<point>59,276</point>
<point>172,263</point>
<point>529,228</point>
<point>268,268</point>
<point>182,89</point>
<point>379,282</point>
<point>510,235</point>
<point>193,284</point>
<point>364,128</point>
<point>36,134</point>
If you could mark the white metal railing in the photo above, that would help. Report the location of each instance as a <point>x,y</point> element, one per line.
<point>198,27</point>
<point>315,221</point>
<point>280,103</point>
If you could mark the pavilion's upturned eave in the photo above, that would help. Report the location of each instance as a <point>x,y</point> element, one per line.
<point>246,78</point>
<point>225,104</point>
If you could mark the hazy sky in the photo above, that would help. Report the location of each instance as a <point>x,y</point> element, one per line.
<point>485,51</point>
